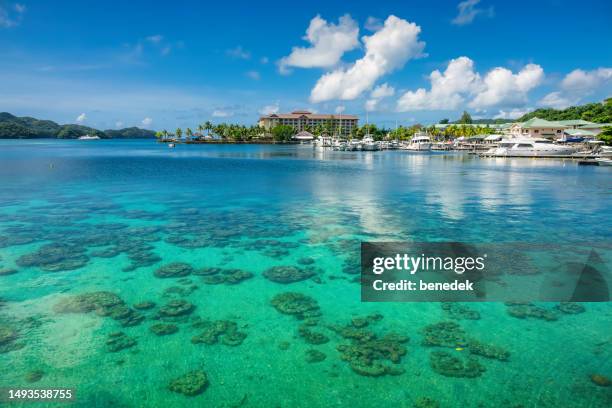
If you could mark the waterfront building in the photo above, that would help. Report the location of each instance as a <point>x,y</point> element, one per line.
<point>536,127</point>
<point>304,120</point>
<point>596,128</point>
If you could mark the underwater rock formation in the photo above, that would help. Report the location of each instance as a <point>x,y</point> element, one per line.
<point>306,261</point>
<point>600,380</point>
<point>175,308</point>
<point>34,376</point>
<point>103,303</point>
<point>296,304</point>
<point>55,257</point>
<point>217,276</point>
<point>444,334</point>
<point>448,365</point>
<point>457,311</point>
<point>310,336</point>
<point>164,329</point>
<point>524,310</point>
<point>118,341</point>
<point>570,308</point>
<point>488,350</point>
<point>7,271</point>
<point>451,335</point>
<point>368,354</point>
<point>174,270</point>
<point>8,339</point>
<point>426,402</point>
<point>215,330</point>
<point>288,274</point>
<point>179,291</point>
<point>146,305</point>
<point>190,384</point>
<point>315,356</point>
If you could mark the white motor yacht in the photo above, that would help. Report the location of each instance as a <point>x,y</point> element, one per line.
<point>530,147</point>
<point>339,144</point>
<point>369,144</point>
<point>89,137</point>
<point>354,145</point>
<point>419,142</point>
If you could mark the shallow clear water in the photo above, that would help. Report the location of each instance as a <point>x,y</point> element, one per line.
<point>110,213</point>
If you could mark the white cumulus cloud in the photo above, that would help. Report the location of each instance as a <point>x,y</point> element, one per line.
<point>81,118</point>
<point>576,85</point>
<point>378,93</point>
<point>460,84</point>
<point>502,87</point>
<point>557,100</point>
<point>147,122</point>
<point>328,42</point>
<point>382,91</point>
<point>385,51</point>
<point>585,82</point>
<point>119,124</point>
<point>448,89</point>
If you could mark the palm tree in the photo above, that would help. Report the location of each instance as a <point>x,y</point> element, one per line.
<point>200,130</point>
<point>158,135</point>
<point>165,134</point>
<point>178,133</point>
<point>208,126</point>
<point>188,133</point>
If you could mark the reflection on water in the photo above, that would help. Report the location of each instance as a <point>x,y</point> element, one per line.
<point>114,254</point>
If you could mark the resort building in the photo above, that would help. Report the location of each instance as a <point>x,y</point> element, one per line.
<point>305,120</point>
<point>536,127</point>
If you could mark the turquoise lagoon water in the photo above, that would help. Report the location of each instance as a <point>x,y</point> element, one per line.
<point>108,214</point>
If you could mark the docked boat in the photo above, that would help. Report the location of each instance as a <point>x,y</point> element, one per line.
<point>339,144</point>
<point>605,151</point>
<point>354,145</point>
<point>323,141</point>
<point>530,147</point>
<point>171,145</point>
<point>89,137</point>
<point>390,145</point>
<point>442,146</point>
<point>604,161</point>
<point>369,144</point>
<point>419,142</point>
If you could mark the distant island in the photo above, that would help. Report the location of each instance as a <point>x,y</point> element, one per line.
<point>14,127</point>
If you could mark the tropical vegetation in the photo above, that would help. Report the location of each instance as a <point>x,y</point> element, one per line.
<point>600,112</point>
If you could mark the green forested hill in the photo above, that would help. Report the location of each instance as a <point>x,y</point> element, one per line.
<point>14,127</point>
<point>593,112</point>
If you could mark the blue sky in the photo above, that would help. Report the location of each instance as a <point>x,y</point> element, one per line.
<point>148,64</point>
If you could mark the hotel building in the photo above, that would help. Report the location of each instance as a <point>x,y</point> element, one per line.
<point>304,120</point>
